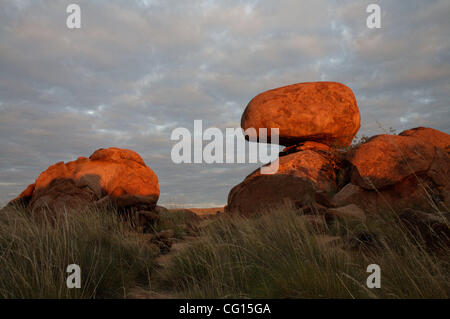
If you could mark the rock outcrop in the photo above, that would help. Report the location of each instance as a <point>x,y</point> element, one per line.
<point>300,175</point>
<point>325,112</point>
<point>394,172</point>
<point>388,159</point>
<point>314,119</point>
<point>386,173</point>
<point>112,175</point>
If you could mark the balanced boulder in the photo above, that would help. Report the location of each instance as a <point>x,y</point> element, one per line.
<point>324,112</point>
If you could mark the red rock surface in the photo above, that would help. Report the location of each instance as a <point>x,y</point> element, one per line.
<point>387,159</point>
<point>299,176</point>
<point>324,112</point>
<point>430,136</point>
<point>118,173</point>
<point>306,146</point>
<point>28,192</point>
<point>394,172</point>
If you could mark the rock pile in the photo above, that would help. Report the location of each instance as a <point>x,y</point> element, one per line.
<point>313,119</point>
<point>317,123</point>
<point>395,172</point>
<point>113,175</point>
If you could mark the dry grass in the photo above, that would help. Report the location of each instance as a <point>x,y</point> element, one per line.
<point>34,255</point>
<point>276,255</point>
<point>279,255</point>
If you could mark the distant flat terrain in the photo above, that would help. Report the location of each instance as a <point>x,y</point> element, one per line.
<point>207,211</point>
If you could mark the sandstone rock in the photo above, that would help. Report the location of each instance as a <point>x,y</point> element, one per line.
<point>324,112</point>
<point>24,197</point>
<point>129,200</point>
<point>120,175</point>
<point>61,195</point>
<point>299,176</point>
<point>430,136</point>
<point>117,155</point>
<point>418,191</point>
<point>323,198</point>
<point>387,159</point>
<point>28,192</point>
<point>304,146</point>
<point>398,172</point>
<point>354,194</point>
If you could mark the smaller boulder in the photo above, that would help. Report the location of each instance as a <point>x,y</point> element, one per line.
<point>111,175</point>
<point>354,194</point>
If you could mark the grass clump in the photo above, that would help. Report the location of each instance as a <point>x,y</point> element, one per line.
<point>34,255</point>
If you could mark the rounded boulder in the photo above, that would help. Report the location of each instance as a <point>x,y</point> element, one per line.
<point>324,112</point>
<point>117,174</point>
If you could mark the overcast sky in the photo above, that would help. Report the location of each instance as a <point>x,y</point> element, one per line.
<point>138,69</point>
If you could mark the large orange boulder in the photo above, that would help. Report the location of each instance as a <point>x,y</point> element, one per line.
<point>300,175</point>
<point>387,159</point>
<point>394,172</point>
<point>117,174</point>
<point>324,112</point>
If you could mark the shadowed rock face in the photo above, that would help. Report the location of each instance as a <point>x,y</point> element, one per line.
<point>299,177</point>
<point>117,174</point>
<point>324,112</point>
<point>62,194</point>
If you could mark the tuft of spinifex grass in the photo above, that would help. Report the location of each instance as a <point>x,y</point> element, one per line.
<point>278,255</point>
<point>34,255</point>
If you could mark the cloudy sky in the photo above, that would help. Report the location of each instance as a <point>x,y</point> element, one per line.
<point>138,69</point>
